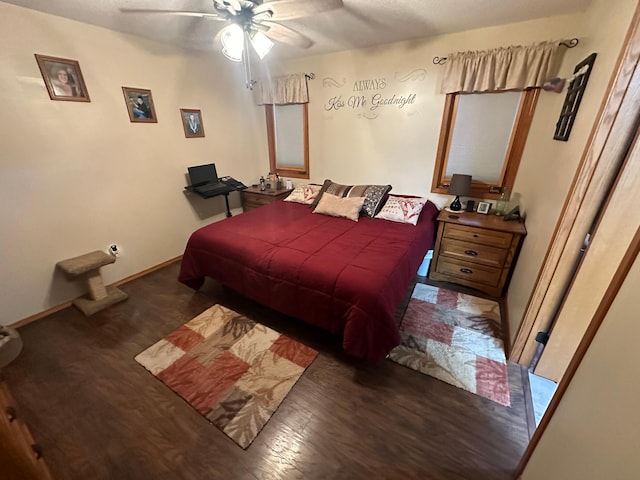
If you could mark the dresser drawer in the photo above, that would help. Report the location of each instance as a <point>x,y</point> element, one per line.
<point>251,205</point>
<point>256,200</point>
<point>473,252</point>
<point>469,272</point>
<point>478,235</point>
<point>253,197</point>
<point>20,456</point>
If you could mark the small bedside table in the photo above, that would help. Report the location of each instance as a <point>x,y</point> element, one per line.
<point>476,250</point>
<point>253,197</point>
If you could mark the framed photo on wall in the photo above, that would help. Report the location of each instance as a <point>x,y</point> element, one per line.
<point>140,105</point>
<point>192,123</point>
<point>62,78</point>
<point>484,207</point>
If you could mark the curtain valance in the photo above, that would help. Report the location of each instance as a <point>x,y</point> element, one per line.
<point>504,68</point>
<point>282,90</point>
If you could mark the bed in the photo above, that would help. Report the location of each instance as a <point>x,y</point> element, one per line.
<point>344,276</point>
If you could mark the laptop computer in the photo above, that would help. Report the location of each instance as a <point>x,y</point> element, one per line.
<point>202,175</point>
<point>205,181</point>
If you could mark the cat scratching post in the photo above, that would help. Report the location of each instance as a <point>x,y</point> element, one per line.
<point>87,267</point>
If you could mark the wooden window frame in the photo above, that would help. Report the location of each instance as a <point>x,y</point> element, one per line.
<point>524,117</point>
<point>301,172</point>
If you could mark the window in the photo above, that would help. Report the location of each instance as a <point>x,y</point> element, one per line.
<point>288,137</point>
<point>483,135</point>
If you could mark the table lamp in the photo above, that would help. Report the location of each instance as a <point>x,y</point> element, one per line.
<point>459,185</point>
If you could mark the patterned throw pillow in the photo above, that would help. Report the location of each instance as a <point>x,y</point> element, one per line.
<point>304,194</point>
<point>373,195</point>
<point>340,207</point>
<point>402,209</point>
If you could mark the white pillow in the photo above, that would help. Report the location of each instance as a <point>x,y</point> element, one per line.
<point>348,207</point>
<point>304,194</point>
<point>402,209</point>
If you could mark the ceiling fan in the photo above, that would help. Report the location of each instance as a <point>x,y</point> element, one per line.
<point>255,22</point>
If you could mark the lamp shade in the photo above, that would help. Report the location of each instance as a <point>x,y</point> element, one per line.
<point>232,38</point>
<point>460,184</point>
<point>261,44</point>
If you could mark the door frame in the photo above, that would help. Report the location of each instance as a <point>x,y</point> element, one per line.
<point>609,296</point>
<point>604,153</point>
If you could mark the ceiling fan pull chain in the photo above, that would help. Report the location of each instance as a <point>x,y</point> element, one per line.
<point>249,82</point>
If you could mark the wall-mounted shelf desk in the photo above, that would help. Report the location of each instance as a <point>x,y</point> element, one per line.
<point>225,192</point>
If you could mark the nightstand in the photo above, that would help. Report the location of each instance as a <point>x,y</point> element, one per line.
<point>475,250</point>
<point>253,197</point>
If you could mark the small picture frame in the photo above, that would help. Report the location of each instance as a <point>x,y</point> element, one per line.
<point>63,78</point>
<point>192,123</point>
<point>140,105</point>
<point>484,207</point>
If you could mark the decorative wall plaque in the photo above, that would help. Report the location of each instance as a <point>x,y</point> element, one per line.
<point>574,97</point>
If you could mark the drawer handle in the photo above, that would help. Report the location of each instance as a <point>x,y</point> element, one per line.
<point>473,253</point>
<point>466,270</point>
<point>37,450</point>
<point>475,235</point>
<point>11,413</point>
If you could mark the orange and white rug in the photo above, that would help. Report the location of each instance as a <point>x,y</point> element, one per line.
<point>233,370</point>
<point>455,338</point>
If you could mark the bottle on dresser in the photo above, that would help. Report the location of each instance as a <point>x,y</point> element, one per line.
<point>503,201</point>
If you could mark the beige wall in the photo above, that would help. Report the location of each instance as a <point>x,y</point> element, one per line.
<point>594,433</point>
<point>77,176</point>
<point>399,145</point>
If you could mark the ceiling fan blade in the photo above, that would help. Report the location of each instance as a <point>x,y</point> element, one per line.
<point>283,34</point>
<point>232,6</point>
<point>290,9</point>
<point>215,16</point>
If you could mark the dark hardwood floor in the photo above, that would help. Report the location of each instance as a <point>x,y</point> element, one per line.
<point>100,415</point>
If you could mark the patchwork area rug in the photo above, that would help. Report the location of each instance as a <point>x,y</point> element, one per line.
<point>455,338</point>
<point>233,370</point>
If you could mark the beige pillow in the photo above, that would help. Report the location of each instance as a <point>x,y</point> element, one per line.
<point>335,206</point>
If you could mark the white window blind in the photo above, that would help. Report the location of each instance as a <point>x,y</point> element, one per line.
<point>481,134</point>
<point>289,133</point>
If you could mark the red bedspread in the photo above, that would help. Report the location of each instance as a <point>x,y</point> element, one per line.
<point>347,277</point>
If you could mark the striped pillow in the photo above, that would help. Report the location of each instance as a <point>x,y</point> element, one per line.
<point>373,195</point>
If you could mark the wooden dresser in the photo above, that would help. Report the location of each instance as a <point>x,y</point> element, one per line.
<point>476,250</point>
<point>20,456</point>
<point>253,197</point>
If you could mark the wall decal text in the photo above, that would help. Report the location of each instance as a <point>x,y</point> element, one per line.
<point>373,94</point>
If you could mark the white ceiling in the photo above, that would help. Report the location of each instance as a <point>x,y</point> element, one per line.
<point>359,23</point>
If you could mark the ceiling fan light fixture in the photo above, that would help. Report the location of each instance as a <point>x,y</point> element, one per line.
<point>232,38</point>
<point>261,43</point>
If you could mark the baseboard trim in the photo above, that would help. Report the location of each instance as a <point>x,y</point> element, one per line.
<point>39,315</point>
<point>147,271</point>
<point>62,306</point>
